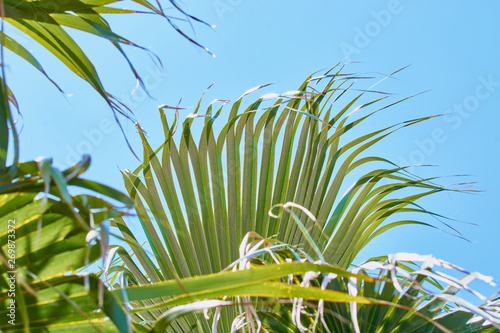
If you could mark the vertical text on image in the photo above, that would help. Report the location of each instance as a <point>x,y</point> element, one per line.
<point>11,273</point>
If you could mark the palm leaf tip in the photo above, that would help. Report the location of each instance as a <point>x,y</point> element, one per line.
<point>46,23</point>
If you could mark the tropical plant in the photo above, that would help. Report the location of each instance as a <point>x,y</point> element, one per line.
<point>46,23</point>
<point>199,194</point>
<point>45,233</point>
<point>204,196</point>
<point>387,295</point>
<point>45,229</point>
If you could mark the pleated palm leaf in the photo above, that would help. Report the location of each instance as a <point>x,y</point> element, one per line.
<point>198,196</point>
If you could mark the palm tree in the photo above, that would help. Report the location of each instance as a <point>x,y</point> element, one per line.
<point>261,196</point>
<point>275,172</point>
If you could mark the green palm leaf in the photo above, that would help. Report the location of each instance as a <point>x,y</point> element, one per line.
<point>200,192</point>
<point>47,22</point>
<point>47,236</point>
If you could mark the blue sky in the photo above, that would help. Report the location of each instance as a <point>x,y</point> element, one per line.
<point>453,49</point>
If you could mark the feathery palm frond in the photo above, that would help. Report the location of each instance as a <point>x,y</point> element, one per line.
<point>48,234</point>
<point>46,23</point>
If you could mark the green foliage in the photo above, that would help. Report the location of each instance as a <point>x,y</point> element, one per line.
<point>47,233</point>
<point>47,22</point>
<point>297,151</point>
<point>204,199</point>
<point>55,232</point>
<point>275,170</point>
